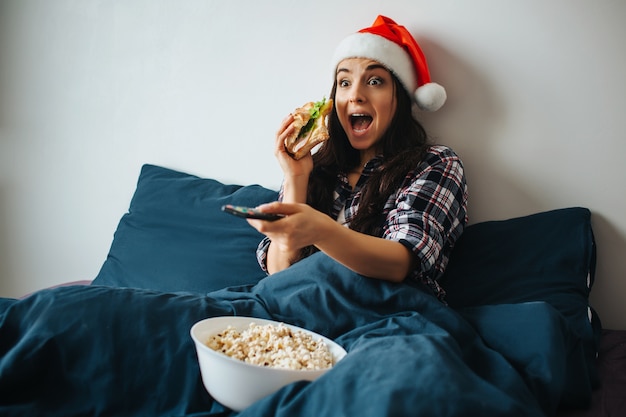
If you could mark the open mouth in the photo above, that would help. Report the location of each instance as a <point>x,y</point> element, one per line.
<point>360,122</point>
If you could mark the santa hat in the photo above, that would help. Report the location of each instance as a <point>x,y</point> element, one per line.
<point>393,46</point>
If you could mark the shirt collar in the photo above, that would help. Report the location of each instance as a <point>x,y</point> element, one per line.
<point>372,165</point>
<point>368,169</point>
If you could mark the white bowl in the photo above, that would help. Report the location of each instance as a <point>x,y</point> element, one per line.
<point>237,384</point>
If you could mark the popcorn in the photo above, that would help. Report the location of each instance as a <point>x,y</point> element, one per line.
<point>274,346</point>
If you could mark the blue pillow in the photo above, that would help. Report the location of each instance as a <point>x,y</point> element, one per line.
<point>548,256</point>
<point>174,236</point>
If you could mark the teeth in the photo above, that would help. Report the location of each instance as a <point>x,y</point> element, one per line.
<point>360,121</point>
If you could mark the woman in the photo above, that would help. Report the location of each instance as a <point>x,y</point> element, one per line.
<point>403,200</point>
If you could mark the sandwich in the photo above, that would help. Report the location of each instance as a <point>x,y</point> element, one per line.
<point>310,128</point>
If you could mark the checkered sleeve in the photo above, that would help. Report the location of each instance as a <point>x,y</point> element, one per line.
<point>264,244</point>
<point>429,213</point>
<point>261,253</point>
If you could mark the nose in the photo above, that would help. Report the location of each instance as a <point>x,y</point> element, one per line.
<point>356,94</point>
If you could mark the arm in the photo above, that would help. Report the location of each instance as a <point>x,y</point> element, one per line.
<point>367,255</point>
<point>294,190</point>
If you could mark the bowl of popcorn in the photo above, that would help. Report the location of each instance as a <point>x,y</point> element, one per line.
<point>243,359</point>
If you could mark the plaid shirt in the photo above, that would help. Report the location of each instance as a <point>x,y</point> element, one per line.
<point>427,214</point>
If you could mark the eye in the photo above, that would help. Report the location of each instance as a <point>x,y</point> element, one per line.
<point>343,83</point>
<point>375,81</point>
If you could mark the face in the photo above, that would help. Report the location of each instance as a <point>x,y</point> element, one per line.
<point>365,102</point>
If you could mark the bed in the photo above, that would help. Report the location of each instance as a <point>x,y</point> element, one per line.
<point>517,338</point>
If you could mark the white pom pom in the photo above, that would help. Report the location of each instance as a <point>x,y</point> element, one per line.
<point>430,97</point>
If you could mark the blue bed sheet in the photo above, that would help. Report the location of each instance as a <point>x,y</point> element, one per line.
<point>94,350</point>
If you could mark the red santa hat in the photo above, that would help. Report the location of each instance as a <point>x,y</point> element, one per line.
<point>393,46</point>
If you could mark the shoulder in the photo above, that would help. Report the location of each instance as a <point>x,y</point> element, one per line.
<point>440,172</point>
<point>442,153</point>
<point>442,160</point>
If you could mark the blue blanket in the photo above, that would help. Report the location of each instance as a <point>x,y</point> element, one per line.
<point>94,350</point>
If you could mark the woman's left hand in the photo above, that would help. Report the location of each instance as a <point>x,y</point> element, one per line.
<point>301,227</point>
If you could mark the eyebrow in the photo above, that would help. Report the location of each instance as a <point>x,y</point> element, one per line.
<point>368,68</point>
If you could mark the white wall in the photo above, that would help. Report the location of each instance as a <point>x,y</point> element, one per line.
<point>91,90</point>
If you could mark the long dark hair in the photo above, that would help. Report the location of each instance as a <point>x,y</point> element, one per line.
<point>403,146</point>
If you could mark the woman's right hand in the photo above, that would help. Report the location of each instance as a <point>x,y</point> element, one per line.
<point>292,169</point>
